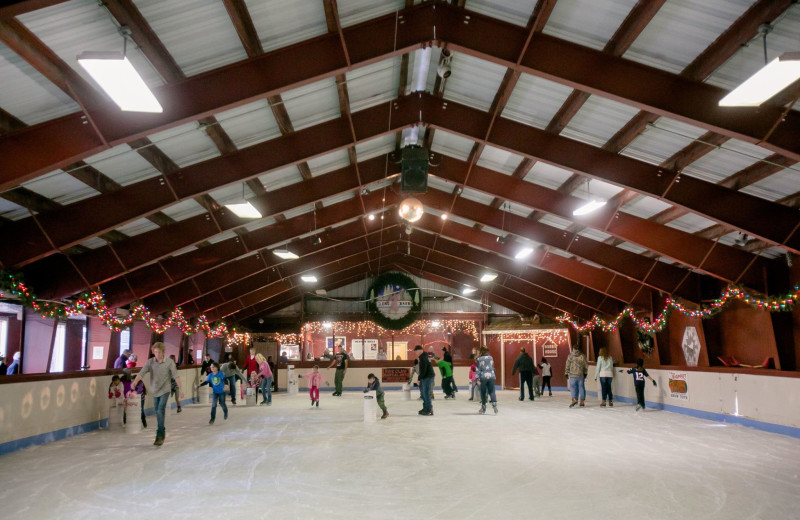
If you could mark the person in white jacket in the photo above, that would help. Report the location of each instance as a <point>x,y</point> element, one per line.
<point>605,372</point>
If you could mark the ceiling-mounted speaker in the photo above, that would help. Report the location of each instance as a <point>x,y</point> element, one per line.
<point>414,172</point>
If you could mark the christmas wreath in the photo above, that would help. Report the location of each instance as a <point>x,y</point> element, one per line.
<point>387,305</point>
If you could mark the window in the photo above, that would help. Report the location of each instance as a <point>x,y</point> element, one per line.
<point>57,363</point>
<point>124,340</point>
<point>3,336</point>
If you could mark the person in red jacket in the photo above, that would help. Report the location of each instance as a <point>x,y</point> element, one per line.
<point>250,364</point>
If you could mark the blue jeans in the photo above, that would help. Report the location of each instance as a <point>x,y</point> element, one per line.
<point>576,388</point>
<point>221,398</point>
<point>232,384</point>
<point>160,404</point>
<point>605,388</point>
<point>266,389</point>
<point>425,391</point>
<point>487,388</point>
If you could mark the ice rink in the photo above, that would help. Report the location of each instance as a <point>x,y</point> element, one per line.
<point>533,460</point>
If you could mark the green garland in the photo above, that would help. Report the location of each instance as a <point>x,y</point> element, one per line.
<point>402,280</point>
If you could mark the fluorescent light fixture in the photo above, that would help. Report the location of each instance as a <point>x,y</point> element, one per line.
<point>525,252</point>
<point>590,206</point>
<point>308,278</point>
<point>117,77</point>
<point>467,290</point>
<point>285,254</point>
<point>771,79</point>
<point>244,210</point>
<point>488,277</point>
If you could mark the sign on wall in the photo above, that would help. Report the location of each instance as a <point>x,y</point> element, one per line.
<point>678,387</point>
<point>368,346</point>
<point>395,375</point>
<point>550,349</point>
<point>690,346</point>
<point>332,343</point>
<point>97,352</point>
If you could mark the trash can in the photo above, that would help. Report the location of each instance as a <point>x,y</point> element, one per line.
<point>115,414</point>
<point>370,407</point>
<point>406,392</point>
<point>133,412</point>
<point>204,393</point>
<point>291,380</point>
<point>250,397</point>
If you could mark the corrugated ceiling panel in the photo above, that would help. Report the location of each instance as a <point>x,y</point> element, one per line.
<point>517,12</point>
<point>776,186</point>
<point>198,34</point>
<point>594,234</point>
<point>596,188</point>
<point>459,220</point>
<point>633,248</point>
<point>750,58</point>
<point>329,162</point>
<point>726,160</point>
<point>661,140</point>
<point>185,144</point>
<point>375,147</point>
<point>27,95</point>
<point>280,23</point>
<point>590,23</point>
<point>137,227</point>
<point>691,223</point>
<point>774,252</point>
<point>338,198</point>
<point>291,310</point>
<point>76,26</point>
<point>598,120</point>
<point>260,223</point>
<point>232,193</point>
<point>430,81</point>
<point>548,175</point>
<point>12,211</point>
<point>183,210</point>
<point>312,104</point>
<point>94,243</point>
<point>535,101</point>
<point>123,165</point>
<point>438,183</point>
<point>477,196</point>
<point>474,82</point>
<point>249,124</point>
<point>552,220</point>
<point>299,210</point>
<point>645,207</point>
<point>682,29</point>
<point>352,12</point>
<point>60,187</point>
<point>183,251</point>
<point>499,160</point>
<point>281,178</point>
<point>374,84</point>
<point>516,209</point>
<point>451,145</point>
<point>225,235</point>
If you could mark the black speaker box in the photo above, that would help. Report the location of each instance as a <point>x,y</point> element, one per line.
<point>414,173</point>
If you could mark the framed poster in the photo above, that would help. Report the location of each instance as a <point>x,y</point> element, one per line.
<point>332,343</point>
<point>97,352</point>
<point>397,350</point>
<point>368,346</point>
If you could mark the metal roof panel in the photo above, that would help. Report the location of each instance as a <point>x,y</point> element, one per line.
<point>280,23</point>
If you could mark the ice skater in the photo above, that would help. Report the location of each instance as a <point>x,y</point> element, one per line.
<point>486,379</point>
<point>265,372</point>
<point>524,363</point>
<point>217,380</point>
<point>426,376</point>
<point>472,383</point>
<point>605,372</point>
<point>314,377</point>
<point>639,375</point>
<point>161,371</point>
<point>575,372</point>
<point>231,373</point>
<point>547,372</point>
<point>373,383</point>
<point>174,387</point>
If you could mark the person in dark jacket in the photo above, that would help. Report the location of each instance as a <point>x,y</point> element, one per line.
<point>122,360</point>
<point>205,368</point>
<point>3,366</point>
<point>426,376</point>
<point>14,367</point>
<point>524,363</point>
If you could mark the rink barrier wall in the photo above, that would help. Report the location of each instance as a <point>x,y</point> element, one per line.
<point>38,412</point>
<point>768,403</point>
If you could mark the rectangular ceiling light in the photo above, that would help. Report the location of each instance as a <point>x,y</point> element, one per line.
<point>468,290</point>
<point>285,254</point>
<point>308,278</point>
<point>590,206</point>
<point>525,252</point>
<point>244,210</point>
<point>771,79</point>
<point>117,77</point>
<point>488,277</point>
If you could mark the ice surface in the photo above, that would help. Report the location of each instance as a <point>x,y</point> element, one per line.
<point>533,460</point>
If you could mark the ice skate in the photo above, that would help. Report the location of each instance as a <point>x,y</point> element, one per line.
<point>211,421</point>
<point>574,402</point>
<point>317,404</point>
<point>603,404</point>
<point>159,440</point>
<point>482,410</point>
<point>638,407</point>
<point>494,407</point>
<point>582,404</point>
<point>385,415</point>
<point>611,403</point>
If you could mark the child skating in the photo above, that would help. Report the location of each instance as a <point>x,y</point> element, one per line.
<point>373,383</point>
<point>217,381</point>
<point>314,377</point>
<point>639,375</point>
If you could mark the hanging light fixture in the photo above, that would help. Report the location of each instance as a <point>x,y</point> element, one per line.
<point>242,208</point>
<point>411,209</point>
<point>593,204</point>
<point>775,76</point>
<point>119,79</point>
